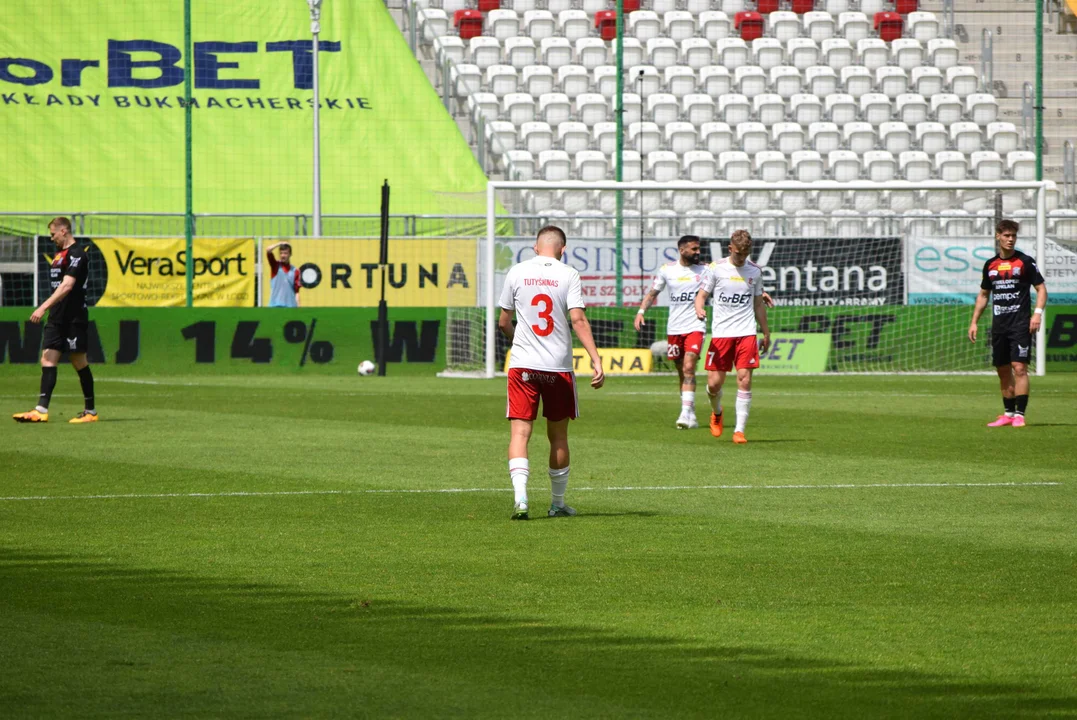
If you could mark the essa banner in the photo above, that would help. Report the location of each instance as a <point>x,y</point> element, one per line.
<point>152,272</point>
<point>948,270</point>
<point>345,273</point>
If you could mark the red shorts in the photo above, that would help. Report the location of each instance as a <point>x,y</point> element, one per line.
<point>556,389</point>
<point>681,344</point>
<point>726,352</point>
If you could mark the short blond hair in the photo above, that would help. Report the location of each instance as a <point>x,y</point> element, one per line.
<point>740,236</point>
<point>62,222</point>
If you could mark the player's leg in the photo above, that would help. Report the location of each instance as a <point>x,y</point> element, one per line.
<point>521,411</point>
<point>50,357</point>
<point>1000,358</point>
<point>747,359</point>
<point>688,392</point>
<point>558,407</point>
<point>675,354</point>
<point>1020,392</point>
<point>82,367</point>
<point>719,362</point>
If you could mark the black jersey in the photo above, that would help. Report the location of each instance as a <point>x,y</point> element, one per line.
<point>1010,281</point>
<point>72,308</point>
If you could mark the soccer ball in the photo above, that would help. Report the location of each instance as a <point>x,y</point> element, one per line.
<point>367,368</point>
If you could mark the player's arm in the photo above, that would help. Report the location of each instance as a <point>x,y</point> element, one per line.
<point>760,307</point>
<point>61,292</point>
<point>1041,303</point>
<point>504,324</point>
<point>647,301</point>
<point>582,328</point>
<point>978,310</point>
<point>701,303</point>
<point>273,264</point>
<point>298,285</point>
<point>767,299</point>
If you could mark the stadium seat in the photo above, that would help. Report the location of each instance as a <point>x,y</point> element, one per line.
<point>946,108</point>
<point>591,166</point>
<point>632,166</point>
<point>500,136</point>
<point>824,137</point>
<point>911,108</point>
<point>870,7</point>
<point>702,223</point>
<point>539,25</point>
<point>698,108</point>
<point>859,137</point>
<point>785,80</point>
<point>573,25</point>
<point>715,81</point>
<point>697,7</point>
<point>663,53</point>
<point>889,25</point>
<point>951,166</point>
<point>1063,223</point>
<point>520,52</point>
<point>853,26</point>
<point>604,81</point>
<point>895,137</point>
<point>905,7</point>
<point>932,137</point>
<point>837,53</point>
<point>837,7</point>
<point>1003,137</point>
<point>872,53</point>
<point>752,137</point>
<point>769,108</point>
<point>787,137</point>
<point>681,137</point>
<point>750,80</point>
<point>555,108</point>
<point>465,79</point>
<point>732,220</point>
<point>767,52</point>
<point>699,166</point>
<point>716,137</point>
<point>926,80</point>
<point>591,7</point>
<point>802,53</point>
<point>502,80</point>
<point>807,165</point>
<point>1021,165</point>
<point>433,23</point>
<point>982,108</point>
<point>821,80</point>
<point>923,26</point>
<point>555,52</point>
<point>554,165</point>
<point>523,6</point>
<point>606,22</point>
<point>830,200</point>
<point>891,82</point>
<point>731,53</point>
<point>633,107</point>
<point>633,52</point>
<point>847,224</point>
<point>517,108</point>
<point>810,223</point>
<point>452,6</point>
<point>714,26</point>
<point>604,137</point>
<point>844,165</point>
<point>644,137</point>
<point>841,108</point>
<point>818,26</point>
<point>735,166</point>
<point>573,80</point>
<point>802,6</point>
<point>856,80</point>
<point>679,25</point>
<point>962,81</point>
<point>663,166</point>
<point>942,53</point>
<point>518,165</point>
<point>662,224</point>
<point>644,25</point>
<point>806,109</point>
<point>592,108</point>
<point>919,223</point>
<point>536,137</point>
<point>734,109</point>
<point>468,23</point>
<point>663,108</point>
<point>865,201</point>
<point>645,80</point>
<point>907,53</point>
<point>875,108</point>
<point>749,25</point>
<point>955,222</point>
<point>732,6</point>
<point>483,105</point>
<point>966,137</point>
<point>502,24</point>
<point>591,52</point>
<point>484,52</point>
<point>879,166</point>
<point>771,165</point>
<point>986,165</point>
<point>915,165</point>
<point>680,80</point>
<point>537,80</point>
<point>451,48</point>
<point>783,25</point>
<point>696,53</point>
<point>592,224</point>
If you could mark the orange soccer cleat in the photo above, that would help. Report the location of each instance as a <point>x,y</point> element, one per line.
<point>716,425</point>
<point>84,417</point>
<point>31,417</point>
<point>739,439</point>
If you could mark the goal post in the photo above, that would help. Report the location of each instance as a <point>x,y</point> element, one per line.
<point>895,320</point>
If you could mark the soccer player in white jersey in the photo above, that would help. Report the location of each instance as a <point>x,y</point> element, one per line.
<point>736,285</point>
<point>684,331</point>
<point>546,296</point>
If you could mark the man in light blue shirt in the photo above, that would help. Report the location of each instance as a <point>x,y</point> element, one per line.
<point>283,277</point>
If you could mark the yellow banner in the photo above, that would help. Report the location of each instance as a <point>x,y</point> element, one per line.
<point>615,361</point>
<point>145,272</point>
<point>421,272</point>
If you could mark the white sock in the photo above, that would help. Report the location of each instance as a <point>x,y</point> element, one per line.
<point>519,471</point>
<point>744,406</point>
<point>42,409</point>
<point>716,401</point>
<point>558,485</point>
<point>688,401</point>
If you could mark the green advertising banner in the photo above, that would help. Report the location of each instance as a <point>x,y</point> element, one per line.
<point>92,111</point>
<point>164,341</point>
<point>795,353</point>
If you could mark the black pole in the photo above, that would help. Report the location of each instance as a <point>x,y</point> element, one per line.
<point>383,261</point>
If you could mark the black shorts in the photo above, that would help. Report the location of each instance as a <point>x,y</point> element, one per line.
<point>73,337</point>
<point>1010,347</point>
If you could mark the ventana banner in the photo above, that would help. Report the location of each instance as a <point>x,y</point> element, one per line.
<point>421,273</point>
<point>856,272</point>
<point>152,272</point>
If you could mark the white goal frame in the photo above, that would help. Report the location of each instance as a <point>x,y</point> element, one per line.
<point>493,186</point>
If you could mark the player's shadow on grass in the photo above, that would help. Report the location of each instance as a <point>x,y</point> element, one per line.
<point>210,646</point>
<point>584,514</point>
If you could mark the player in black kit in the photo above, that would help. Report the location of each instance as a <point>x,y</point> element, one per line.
<point>1007,278</point>
<point>68,324</point>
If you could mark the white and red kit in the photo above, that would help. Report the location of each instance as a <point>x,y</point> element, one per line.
<point>684,331</point>
<point>541,291</point>
<point>733,291</point>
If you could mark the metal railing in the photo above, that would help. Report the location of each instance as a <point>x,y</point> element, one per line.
<point>1028,116</point>
<point>987,61</point>
<point>1069,174</point>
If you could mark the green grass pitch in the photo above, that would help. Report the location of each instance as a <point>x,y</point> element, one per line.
<point>253,547</point>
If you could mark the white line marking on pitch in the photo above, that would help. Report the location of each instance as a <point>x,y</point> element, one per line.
<point>437,491</point>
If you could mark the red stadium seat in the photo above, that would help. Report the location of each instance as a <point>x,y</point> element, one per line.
<point>750,25</point>
<point>606,22</point>
<point>765,7</point>
<point>904,7</point>
<point>486,6</point>
<point>468,23</point>
<point>803,6</point>
<point>889,25</point>
<point>631,6</point>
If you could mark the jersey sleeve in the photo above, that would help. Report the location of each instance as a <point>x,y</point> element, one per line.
<point>985,281</point>
<point>707,282</point>
<point>298,281</point>
<point>659,283</point>
<point>1034,277</point>
<point>77,267</point>
<point>757,286</point>
<point>575,293</point>
<point>273,264</point>
<point>508,300</point>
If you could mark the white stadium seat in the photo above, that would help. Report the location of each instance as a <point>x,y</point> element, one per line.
<point>946,108</point>
<point>699,166</point>
<point>750,80</point>
<point>783,25</point>
<point>853,26</point>
<point>767,52</point>
<point>907,53</point>
<point>962,80</point>
<point>841,108</point>
<point>731,52</point>
<point>518,108</point>
<point>681,137</point>
<point>502,80</point>
<point>844,165</point>
<point>604,79</point>
<point>735,166</point>
<point>433,23</point>
<point>663,52</point>
<point>837,53</point>
<point>679,25</point>
<point>821,81</point>
<point>734,109</point>
<point>645,80</point>
<point>787,137</point>
<point>926,80</point>
<point>555,108</point>
<point>856,80</point>
<point>872,53</point>
<point>752,137</point>
<point>895,137</point>
<point>663,108</point>
<point>573,24</point>
<point>520,52</point>
<point>912,108</point>
<point>986,165</point>
<point>573,137</point>
<point>502,24</point>
<point>555,52</point>
<point>1003,137</point>
<point>806,109</point>
<point>644,25</point>
<point>537,80</point>
<point>573,80</point>
<point>644,137</point>
<point>802,53</point>
<point>771,165</point>
<point>955,222</point>
<point>875,108</point>
<point>891,82</point>
<point>696,53</point>
<point>663,166</point>
<point>451,48</point>
<point>465,79</point>
<point>554,165</point>
<point>536,137</point>
<point>818,25</point>
<point>982,108</point>
<point>824,137</point>
<point>591,52</point>
<point>539,25</point>
<point>633,52</point>
<point>716,137</point>
<point>591,224</point>
<point>932,137</point>
<point>966,137</point>
<point>1021,165</point>
<point>518,165</point>
<point>922,26</point>
<point>713,26</point>
<point>483,105</point>
<point>500,136</point>
<point>919,223</point>
<point>698,108</point>
<point>604,137</point>
<point>810,223</point>
<point>942,53</point>
<point>715,81</point>
<point>680,80</point>
<point>951,166</point>
<point>879,166</point>
<point>859,137</point>
<point>591,166</point>
<point>592,108</point>
<point>915,166</point>
<point>847,224</point>
<point>633,107</point>
<point>769,108</point>
<point>786,81</point>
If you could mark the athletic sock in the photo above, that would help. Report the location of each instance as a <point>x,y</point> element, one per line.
<point>1020,403</point>
<point>48,384</point>
<point>86,379</point>
<point>1010,404</point>
<point>688,401</point>
<point>744,406</point>
<point>716,402</point>
<point>558,484</point>
<point>519,471</point>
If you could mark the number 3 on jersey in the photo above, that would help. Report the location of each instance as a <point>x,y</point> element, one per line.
<point>545,315</point>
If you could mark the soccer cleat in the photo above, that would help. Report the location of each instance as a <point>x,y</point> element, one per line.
<point>1001,421</point>
<point>687,421</point>
<point>563,511</point>
<point>716,425</point>
<point>84,417</point>
<point>31,417</point>
<point>739,439</point>
<point>1018,421</point>
<point>519,511</point>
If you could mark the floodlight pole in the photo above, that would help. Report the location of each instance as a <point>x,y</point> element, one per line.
<point>315,28</point>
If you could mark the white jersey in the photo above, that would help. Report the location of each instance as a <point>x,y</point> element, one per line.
<point>542,290</point>
<point>733,291</point>
<point>683,283</point>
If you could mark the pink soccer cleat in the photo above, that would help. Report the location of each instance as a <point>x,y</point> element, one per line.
<point>1002,421</point>
<point>1018,420</point>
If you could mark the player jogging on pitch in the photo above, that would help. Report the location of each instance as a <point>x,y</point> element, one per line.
<point>736,284</point>
<point>545,294</point>
<point>684,331</point>
<point>1007,278</point>
<point>68,324</point>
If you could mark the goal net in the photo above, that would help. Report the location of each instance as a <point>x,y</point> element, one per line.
<point>865,277</point>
